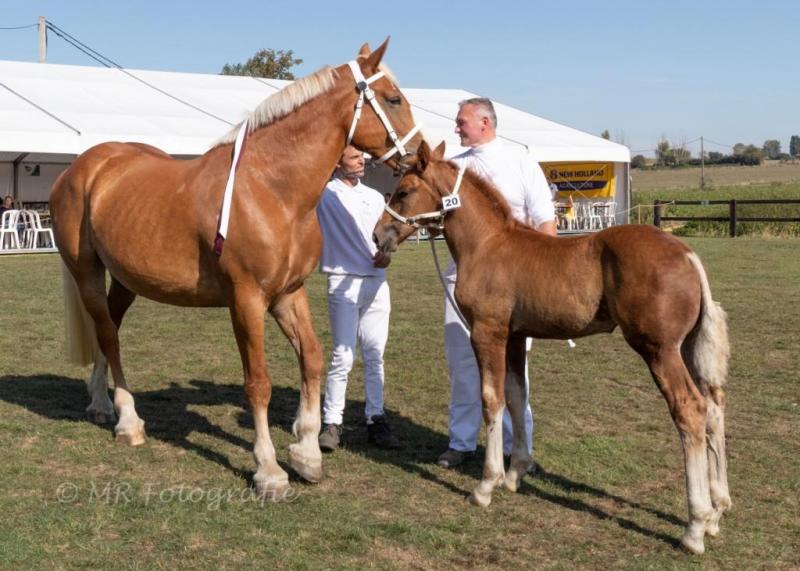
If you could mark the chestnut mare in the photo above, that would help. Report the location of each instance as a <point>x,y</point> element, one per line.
<point>514,282</point>
<point>151,221</point>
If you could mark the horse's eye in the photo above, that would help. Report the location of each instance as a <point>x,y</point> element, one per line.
<point>401,194</point>
<point>396,101</point>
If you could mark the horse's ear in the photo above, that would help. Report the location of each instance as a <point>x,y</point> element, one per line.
<point>364,51</point>
<point>374,59</point>
<point>423,156</point>
<point>438,152</point>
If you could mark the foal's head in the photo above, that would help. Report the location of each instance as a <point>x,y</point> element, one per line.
<point>415,194</point>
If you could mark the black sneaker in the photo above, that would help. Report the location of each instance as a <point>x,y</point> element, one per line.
<point>451,458</point>
<point>330,437</point>
<point>380,434</point>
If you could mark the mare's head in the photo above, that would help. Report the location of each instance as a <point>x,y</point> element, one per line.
<point>418,192</point>
<point>372,134</point>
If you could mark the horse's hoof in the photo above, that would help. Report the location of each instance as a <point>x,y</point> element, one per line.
<point>692,545</point>
<point>100,417</point>
<point>273,489</point>
<point>130,432</point>
<point>511,481</point>
<point>131,438</point>
<point>310,469</point>
<point>476,498</point>
<point>712,525</point>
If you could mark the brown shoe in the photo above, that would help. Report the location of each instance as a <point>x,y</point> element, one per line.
<point>330,437</point>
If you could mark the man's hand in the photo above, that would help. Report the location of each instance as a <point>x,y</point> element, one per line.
<point>381,259</point>
<point>548,227</point>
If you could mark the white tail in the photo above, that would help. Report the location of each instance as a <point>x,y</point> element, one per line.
<point>81,338</point>
<point>707,349</point>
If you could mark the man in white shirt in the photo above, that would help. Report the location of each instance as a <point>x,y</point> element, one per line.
<point>358,298</point>
<point>518,177</point>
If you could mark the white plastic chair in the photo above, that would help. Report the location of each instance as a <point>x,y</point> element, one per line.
<point>8,230</point>
<point>610,214</point>
<point>583,212</point>
<point>35,230</point>
<point>604,214</point>
<point>25,225</point>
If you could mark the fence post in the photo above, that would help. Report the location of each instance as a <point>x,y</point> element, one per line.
<point>657,213</point>
<point>732,219</point>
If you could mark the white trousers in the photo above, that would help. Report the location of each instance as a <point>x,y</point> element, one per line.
<point>466,409</point>
<point>358,308</point>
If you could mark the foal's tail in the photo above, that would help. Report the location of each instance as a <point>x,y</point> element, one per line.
<point>81,338</point>
<point>706,349</point>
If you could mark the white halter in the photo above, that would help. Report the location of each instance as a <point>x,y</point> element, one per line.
<point>362,84</point>
<point>437,215</point>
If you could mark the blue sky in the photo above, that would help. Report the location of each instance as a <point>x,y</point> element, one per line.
<point>727,70</point>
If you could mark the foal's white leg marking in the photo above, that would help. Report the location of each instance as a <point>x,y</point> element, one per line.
<point>270,480</point>
<point>493,463</point>
<point>305,457</point>
<point>717,465</point>
<point>101,409</point>
<point>700,510</point>
<point>130,428</point>
<point>520,458</point>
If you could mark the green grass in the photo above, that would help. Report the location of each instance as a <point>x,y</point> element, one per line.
<point>611,493</point>
<point>774,191</point>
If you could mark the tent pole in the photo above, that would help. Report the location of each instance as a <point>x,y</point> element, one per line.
<point>17,161</point>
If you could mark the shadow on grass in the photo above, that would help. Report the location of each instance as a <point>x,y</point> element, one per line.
<point>169,419</point>
<point>533,488</point>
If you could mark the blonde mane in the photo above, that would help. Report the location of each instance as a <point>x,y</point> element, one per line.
<point>283,102</point>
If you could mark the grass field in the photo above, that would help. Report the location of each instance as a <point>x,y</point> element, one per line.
<point>609,493</point>
<point>770,172</point>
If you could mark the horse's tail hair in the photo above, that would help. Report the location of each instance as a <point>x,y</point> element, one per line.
<point>706,349</point>
<point>80,333</point>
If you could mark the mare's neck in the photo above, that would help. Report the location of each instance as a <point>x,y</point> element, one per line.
<point>469,227</point>
<point>304,146</point>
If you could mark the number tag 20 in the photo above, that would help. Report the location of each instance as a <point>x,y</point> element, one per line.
<point>451,202</point>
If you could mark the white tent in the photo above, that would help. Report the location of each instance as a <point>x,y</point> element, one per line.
<point>51,113</point>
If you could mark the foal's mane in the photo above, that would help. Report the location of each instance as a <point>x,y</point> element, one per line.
<point>285,101</point>
<point>488,190</point>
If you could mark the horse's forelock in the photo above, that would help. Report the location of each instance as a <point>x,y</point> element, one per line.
<point>388,73</point>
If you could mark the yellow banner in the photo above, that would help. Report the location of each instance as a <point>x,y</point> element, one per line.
<point>581,180</point>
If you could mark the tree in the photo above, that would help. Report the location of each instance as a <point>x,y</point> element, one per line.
<point>664,156</point>
<point>638,162</point>
<point>750,155</point>
<point>680,154</point>
<point>265,63</point>
<point>605,134</point>
<point>772,148</point>
<point>794,146</point>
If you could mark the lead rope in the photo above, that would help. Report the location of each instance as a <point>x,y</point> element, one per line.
<point>447,293</point>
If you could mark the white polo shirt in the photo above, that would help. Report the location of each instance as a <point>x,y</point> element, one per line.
<point>347,216</point>
<point>517,176</point>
